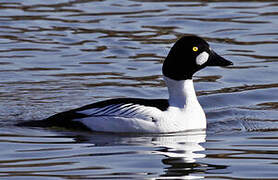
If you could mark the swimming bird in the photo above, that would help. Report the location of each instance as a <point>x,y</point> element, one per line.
<point>180,112</point>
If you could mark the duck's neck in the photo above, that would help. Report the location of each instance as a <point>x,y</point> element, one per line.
<point>181,92</point>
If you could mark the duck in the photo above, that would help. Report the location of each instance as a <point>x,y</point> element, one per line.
<point>180,112</point>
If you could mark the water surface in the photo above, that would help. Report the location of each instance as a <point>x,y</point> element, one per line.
<point>55,56</point>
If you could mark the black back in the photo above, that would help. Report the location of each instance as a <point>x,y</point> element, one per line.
<point>66,119</point>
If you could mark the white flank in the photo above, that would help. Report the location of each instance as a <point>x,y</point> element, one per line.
<point>121,118</point>
<point>184,113</point>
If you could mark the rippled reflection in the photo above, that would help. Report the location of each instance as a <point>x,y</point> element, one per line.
<point>177,152</point>
<point>181,152</point>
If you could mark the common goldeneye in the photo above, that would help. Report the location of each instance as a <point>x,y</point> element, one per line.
<point>180,112</point>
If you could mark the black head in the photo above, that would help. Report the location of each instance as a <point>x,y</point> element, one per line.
<point>188,55</point>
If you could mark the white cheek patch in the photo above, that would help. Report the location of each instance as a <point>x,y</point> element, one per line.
<point>202,58</point>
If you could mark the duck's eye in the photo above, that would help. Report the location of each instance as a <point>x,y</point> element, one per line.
<point>195,48</point>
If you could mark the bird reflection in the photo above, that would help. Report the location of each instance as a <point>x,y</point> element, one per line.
<point>182,155</point>
<point>180,150</point>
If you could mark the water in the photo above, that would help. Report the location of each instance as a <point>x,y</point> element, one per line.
<point>59,55</point>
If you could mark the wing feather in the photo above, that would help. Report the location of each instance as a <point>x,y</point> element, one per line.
<point>121,114</point>
<point>119,110</point>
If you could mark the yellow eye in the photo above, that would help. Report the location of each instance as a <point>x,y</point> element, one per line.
<point>195,48</point>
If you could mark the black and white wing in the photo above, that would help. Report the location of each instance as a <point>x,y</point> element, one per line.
<point>122,115</point>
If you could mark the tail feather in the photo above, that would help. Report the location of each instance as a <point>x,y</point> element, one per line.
<point>61,120</point>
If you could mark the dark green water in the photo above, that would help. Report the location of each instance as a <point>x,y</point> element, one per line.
<point>59,55</point>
